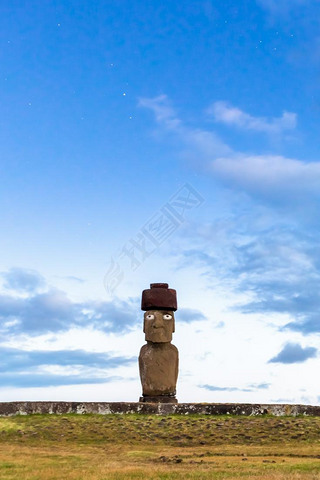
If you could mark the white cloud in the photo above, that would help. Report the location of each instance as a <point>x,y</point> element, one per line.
<point>233,116</point>
<point>268,173</point>
<point>204,141</point>
<point>163,112</point>
<point>256,174</point>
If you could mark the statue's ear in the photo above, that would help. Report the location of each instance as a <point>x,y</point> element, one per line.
<point>174,323</point>
<point>144,324</point>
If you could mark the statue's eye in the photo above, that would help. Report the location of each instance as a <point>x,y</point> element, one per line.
<point>166,316</point>
<point>150,316</point>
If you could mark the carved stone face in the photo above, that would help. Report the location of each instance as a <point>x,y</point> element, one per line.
<point>158,326</point>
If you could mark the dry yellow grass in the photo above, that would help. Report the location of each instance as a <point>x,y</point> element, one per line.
<point>92,447</point>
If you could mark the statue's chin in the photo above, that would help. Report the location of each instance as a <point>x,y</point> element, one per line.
<point>159,338</point>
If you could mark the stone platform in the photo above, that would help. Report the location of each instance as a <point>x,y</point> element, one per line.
<point>106,408</point>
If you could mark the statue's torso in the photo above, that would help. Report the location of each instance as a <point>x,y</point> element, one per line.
<point>158,363</point>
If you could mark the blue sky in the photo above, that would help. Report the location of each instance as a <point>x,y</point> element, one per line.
<point>115,115</point>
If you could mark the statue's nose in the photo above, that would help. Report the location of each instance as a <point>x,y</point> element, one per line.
<point>158,322</point>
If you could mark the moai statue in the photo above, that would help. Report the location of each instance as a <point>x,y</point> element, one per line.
<point>158,359</point>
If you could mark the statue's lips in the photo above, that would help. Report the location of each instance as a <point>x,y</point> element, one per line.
<point>158,333</point>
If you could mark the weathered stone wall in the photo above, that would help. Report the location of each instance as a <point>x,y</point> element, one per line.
<point>105,408</point>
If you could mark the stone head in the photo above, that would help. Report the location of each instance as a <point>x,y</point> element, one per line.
<point>159,303</point>
<point>158,325</point>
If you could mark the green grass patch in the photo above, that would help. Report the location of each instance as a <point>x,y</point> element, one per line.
<point>117,447</point>
<point>173,430</point>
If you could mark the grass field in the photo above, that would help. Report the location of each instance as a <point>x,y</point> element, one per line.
<point>116,447</point>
